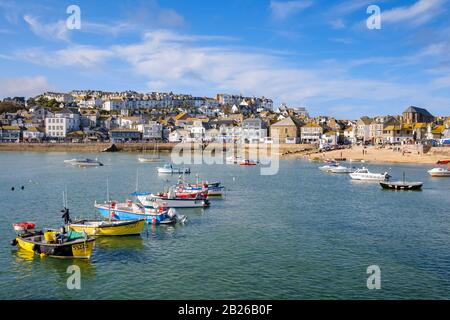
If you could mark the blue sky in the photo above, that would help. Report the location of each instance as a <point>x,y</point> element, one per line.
<point>312,53</point>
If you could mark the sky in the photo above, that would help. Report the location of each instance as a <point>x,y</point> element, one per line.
<point>306,53</point>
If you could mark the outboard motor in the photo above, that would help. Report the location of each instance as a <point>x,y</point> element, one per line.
<point>171,213</point>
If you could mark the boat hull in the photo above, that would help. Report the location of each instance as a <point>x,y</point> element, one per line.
<point>439,173</point>
<point>151,202</point>
<point>80,249</point>
<point>162,218</point>
<point>401,185</point>
<point>116,228</point>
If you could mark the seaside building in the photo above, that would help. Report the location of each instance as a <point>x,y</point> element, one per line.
<point>124,135</point>
<point>33,134</point>
<point>362,131</point>
<point>61,123</point>
<point>254,130</point>
<point>399,133</point>
<point>311,133</point>
<point>288,130</point>
<point>415,114</point>
<point>151,130</point>
<point>10,133</point>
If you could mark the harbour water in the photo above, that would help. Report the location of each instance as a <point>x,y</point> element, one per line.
<point>300,234</point>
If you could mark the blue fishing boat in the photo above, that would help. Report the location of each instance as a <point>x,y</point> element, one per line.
<point>135,211</point>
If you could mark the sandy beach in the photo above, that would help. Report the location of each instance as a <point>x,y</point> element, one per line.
<point>377,154</point>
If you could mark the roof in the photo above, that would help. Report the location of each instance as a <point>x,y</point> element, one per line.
<point>366,120</point>
<point>418,110</point>
<point>289,121</point>
<point>33,129</point>
<point>311,125</point>
<point>438,129</point>
<point>420,125</point>
<point>125,130</point>
<point>10,128</point>
<point>180,116</point>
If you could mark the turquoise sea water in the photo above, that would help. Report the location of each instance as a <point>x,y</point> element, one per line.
<point>300,234</point>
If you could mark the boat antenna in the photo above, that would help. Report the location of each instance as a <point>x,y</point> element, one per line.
<point>137,179</point>
<point>107,189</point>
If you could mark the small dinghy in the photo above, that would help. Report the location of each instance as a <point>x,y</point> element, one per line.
<point>402,185</point>
<point>53,243</point>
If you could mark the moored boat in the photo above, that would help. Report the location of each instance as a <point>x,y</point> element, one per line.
<point>439,172</point>
<point>247,162</point>
<point>401,185</point>
<point>134,211</point>
<point>108,228</point>
<point>52,243</point>
<point>169,169</point>
<point>364,174</point>
<point>340,169</point>
<point>447,161</point>
<point>84,162</point>
<point>171,200</point>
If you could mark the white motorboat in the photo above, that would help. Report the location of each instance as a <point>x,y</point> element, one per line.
<point>340,169</point>
<point>364,174</point>
<point>170,200</point>
<point>328,167</point>
<point>169,169</point>
<point>439,172</point>
<point>84,162</point>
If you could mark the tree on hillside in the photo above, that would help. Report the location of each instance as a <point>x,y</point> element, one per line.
<point>7,106</point>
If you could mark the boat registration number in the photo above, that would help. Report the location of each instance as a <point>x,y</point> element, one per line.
<point>81,246</point>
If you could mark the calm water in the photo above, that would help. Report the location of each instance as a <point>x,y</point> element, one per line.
<point>301,234</point>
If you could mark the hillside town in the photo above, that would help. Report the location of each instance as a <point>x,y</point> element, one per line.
<point>97,116</point>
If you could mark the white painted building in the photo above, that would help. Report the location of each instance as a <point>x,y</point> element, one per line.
<point>61,123</point>
<point>253,130</point>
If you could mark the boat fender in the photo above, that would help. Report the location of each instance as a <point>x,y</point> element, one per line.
<point>14,242</point>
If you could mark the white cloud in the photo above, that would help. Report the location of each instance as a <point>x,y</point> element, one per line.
<point>78,56</point>
<point>418,13</point>
<point>166,60</point>
<point>23,86</point>
<point>169,60</point>
<point>57,30</point>
<point>282,10</point>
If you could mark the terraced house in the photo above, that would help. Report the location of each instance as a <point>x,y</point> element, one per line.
<point>399,133</point>
<point>311,133</point>
<point>10,133</point>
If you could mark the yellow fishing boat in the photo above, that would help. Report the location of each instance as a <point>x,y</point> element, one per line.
<point>56,244</point>
<point>108,228</point>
